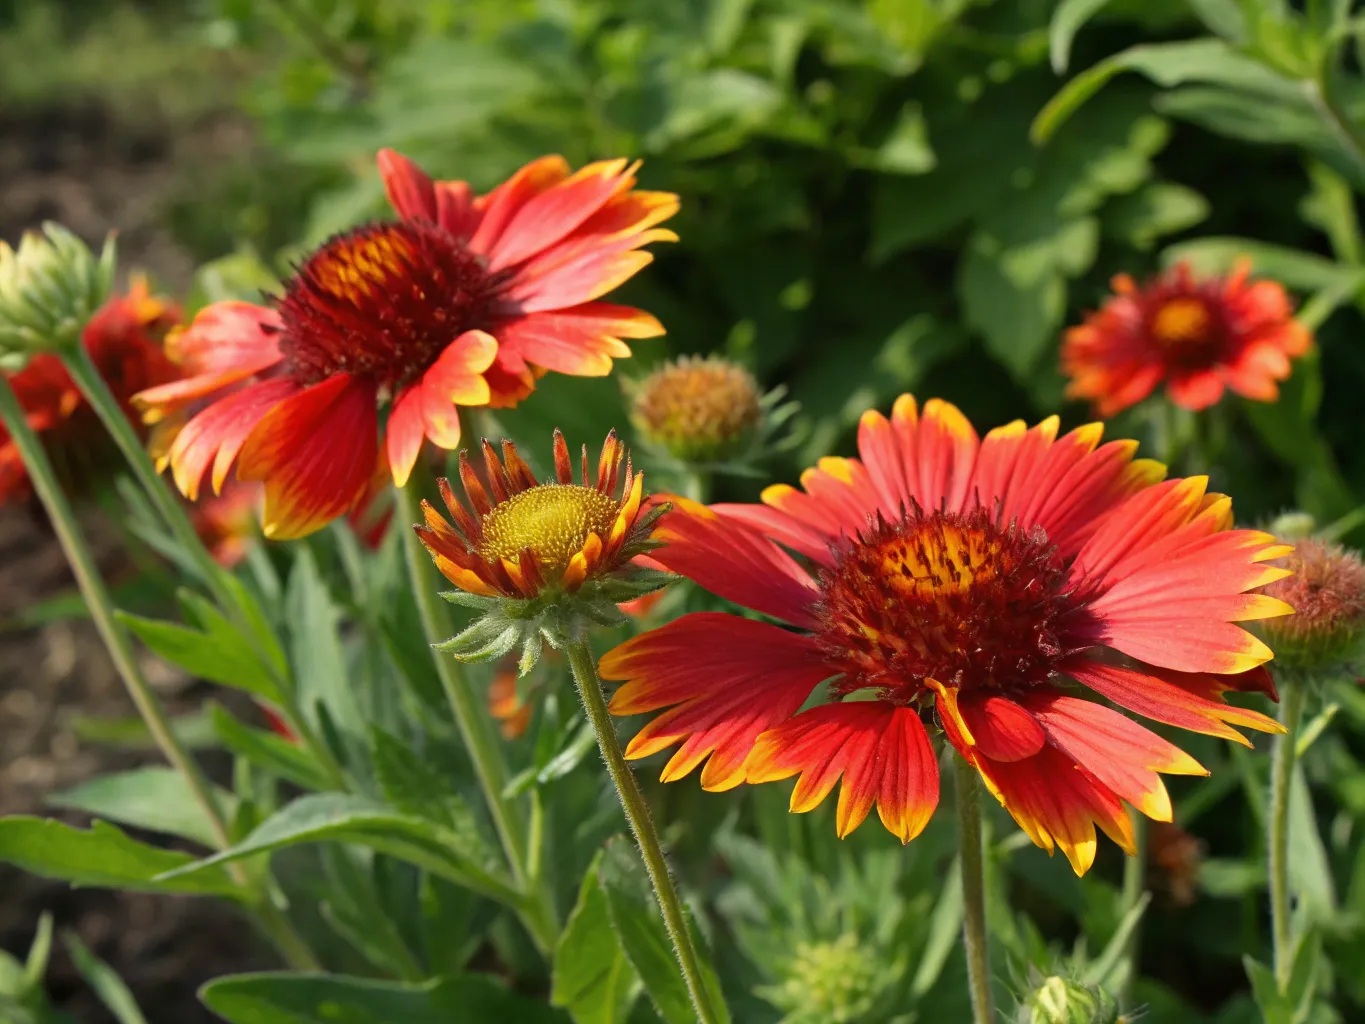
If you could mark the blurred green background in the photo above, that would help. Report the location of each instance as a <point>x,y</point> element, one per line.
<point>864,213</point>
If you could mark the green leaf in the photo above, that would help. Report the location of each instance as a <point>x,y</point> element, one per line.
<point>1067,20</point>
<point>35,964</point>
<point>194,731</point>
<point>284,998</point>
<point>644,939</point>
<point>1167,64</point>
<point>1294,268</point>
<point>103,857</point>
<point>157,799</point>
<point>592,978</point>
<point>315,650</point>
<point>219,658</point>
<point>1274,1005</point>
<point>108,986</point>
<point>945,930</point>
<point>1310,871</point>
<point>1161,208</point>
<point>268,751</point>
<point>414,787</point>
<point>348,818</point>
<point>906,149</point>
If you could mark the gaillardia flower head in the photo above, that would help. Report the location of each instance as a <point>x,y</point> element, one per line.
<point>123,340</point>
<point>1199,336</point>
<point>1327,593</point>
<point>981,586</point>
<point>463,301</point>
<point>541,559</point>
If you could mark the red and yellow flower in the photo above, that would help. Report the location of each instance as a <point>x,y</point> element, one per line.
<point>1199,336</point>
<point>463,301</point>
<point>985,586</point>
<point>519,538</point>
<point>123,339</point>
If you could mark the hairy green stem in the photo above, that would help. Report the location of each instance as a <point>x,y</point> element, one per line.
<point>642,824</point>
<point>1134,885</point>
<point>119,645</point>
<point>973,890</point>
<point>476,729</point>
<point>1283,758</point>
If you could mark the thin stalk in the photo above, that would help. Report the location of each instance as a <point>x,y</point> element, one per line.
<point>1134,886</point>
<point>116,640</point>
<point>1283,757</point>
<point>642,824</point>
<point>177,518</point>
<point>475,727</point>
<point>973,891</point>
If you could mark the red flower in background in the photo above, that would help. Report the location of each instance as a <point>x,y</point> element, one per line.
<point>1199,336</point>
<point>464,301</point>
<point>983,585</point>
<point>123,340</point>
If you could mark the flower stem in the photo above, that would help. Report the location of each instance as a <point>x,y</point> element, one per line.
<point>973,891</point>
<point>1134,885</point>
<point>637,813</point>
<point>116,640</point>
<point>475,729</point>
<point>1282,772</point>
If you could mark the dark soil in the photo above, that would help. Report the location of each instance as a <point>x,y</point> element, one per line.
<point>81,166</point>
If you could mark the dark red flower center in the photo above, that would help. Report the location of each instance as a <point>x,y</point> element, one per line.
<point>382,302</point>
<point>1187,331</point>
<point>944,596</point>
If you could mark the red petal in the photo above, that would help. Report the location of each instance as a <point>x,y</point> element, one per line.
<point>410,191</point>
<point>502,204</point>
<point>926,459</point>
<point>1002,730</point>
<point>881,751</point>
<point>216,435</point>
<point>404,433</point>
<point>1176,698</point>
<point>315,453</point>
<point>733,678</point>
<point>581,341</point>
<point>734,562</point>
<point>1120,753</point>
<point>545,219</point>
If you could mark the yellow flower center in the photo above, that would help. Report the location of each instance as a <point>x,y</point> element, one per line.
<point>553,520</point>
<point>1180,322</point>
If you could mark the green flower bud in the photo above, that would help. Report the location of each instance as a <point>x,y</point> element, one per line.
<point>835,982</point>
<point>1293,526</point>
<point>1059,1001</point>
<point>49,288</point>
<point>696,409</point>
<point>1327,593</point>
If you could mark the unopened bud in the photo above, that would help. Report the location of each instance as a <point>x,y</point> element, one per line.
<point>835,982</point>
<point>1327,593</point>
<point>49,288</point>
<point>697,409</point>
<point>1059,1001</point>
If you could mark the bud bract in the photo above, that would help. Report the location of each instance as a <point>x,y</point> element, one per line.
<point>49,288</point>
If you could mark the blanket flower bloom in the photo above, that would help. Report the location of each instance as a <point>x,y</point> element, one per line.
<point>463,301</point>
<point>535,557</point>
<point>1199,336</point>
<point>982,585</point>
<point>123,340</point>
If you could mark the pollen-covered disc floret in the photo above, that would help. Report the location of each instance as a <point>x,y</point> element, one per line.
<point>381,302</point>
<point>1327,593</point>
<point>697,408</point>
<point>949,597</point>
